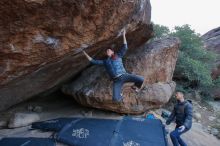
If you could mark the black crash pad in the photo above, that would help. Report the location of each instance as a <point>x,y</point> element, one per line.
<point>53,125</point>
<point>30,141</point>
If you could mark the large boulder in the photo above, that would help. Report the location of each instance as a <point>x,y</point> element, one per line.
<point>41,40</point>
<point>155,61</point>
<point>212,40</point>
<point>23,119</point>
<point>212,43</point>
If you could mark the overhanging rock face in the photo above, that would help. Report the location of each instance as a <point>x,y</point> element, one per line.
<point>155,61</point>
<point>41,40</point>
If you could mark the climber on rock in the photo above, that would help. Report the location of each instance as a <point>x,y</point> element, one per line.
<point>114,67</point>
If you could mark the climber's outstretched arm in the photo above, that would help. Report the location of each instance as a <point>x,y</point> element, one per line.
<point>87,56</point>
<point>124,37</point>
<point>124,48</point>
<point>93,61</point>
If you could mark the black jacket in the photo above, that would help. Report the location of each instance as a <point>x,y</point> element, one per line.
<point>182,112</point>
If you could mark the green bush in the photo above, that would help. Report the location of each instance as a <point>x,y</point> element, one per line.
<point>192,45</point>
<point>193,70</point>
<point>194,63</point>
<point>160,31</point>
<point>217,82</point>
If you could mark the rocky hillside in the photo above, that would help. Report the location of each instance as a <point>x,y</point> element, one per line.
<point>212,40</point>
<point>212,43</point>
<point>41,40</point>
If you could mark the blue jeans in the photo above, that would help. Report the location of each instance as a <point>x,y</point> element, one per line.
<point>176,139</point>
<point>118,83</point>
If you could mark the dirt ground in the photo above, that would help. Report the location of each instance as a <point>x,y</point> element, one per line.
<point>58,105</point>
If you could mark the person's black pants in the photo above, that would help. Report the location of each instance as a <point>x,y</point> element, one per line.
<point>118,83</point>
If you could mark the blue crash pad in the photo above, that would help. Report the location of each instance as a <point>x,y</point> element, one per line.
<point>88,132</point>
<point>139,132</point>
<point>27,142</point>
<point>100,132</point>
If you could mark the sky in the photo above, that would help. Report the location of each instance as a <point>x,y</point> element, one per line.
<point>201,15</point>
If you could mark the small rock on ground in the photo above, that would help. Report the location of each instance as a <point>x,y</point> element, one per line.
<point>22,119</point>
